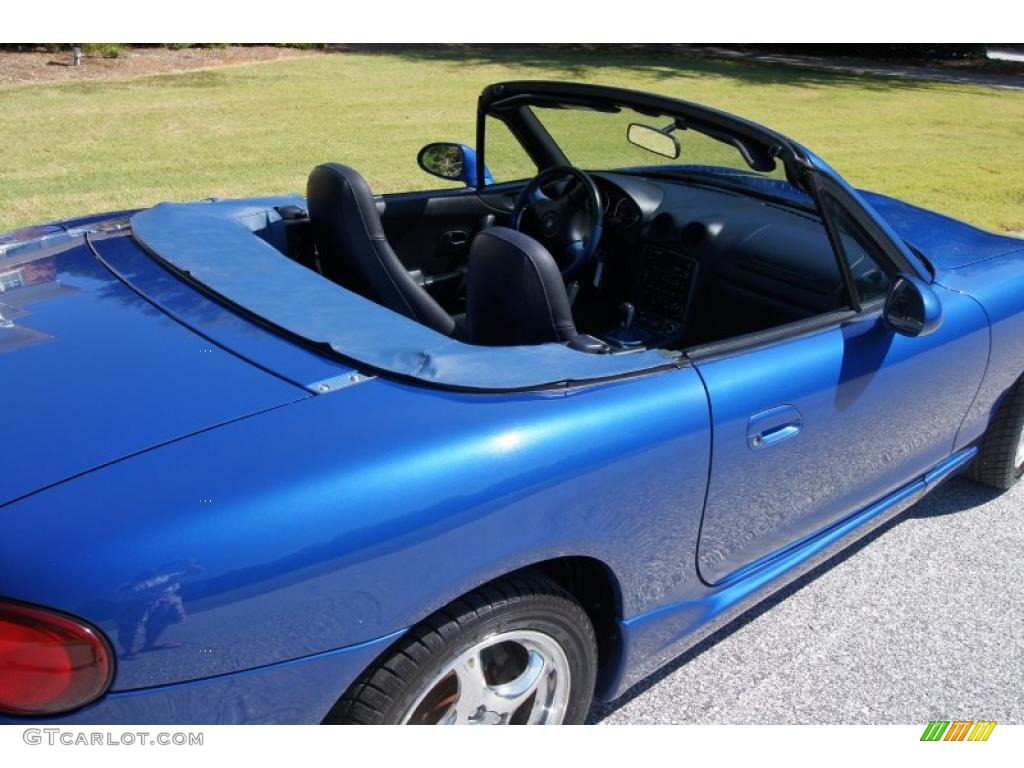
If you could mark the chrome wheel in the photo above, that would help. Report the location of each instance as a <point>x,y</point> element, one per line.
<point>1019,460</point>
<point>509,678</point>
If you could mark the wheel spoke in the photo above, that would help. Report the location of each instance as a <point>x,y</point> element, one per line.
<point>541,700</point>
<point>473,688</point>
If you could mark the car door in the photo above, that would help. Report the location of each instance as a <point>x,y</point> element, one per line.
<point>819,419</point>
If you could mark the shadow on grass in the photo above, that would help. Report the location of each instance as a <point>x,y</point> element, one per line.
<point>582,61</point>
<point>200,79</point>
<point>568,62</point>
<point>955,496</point>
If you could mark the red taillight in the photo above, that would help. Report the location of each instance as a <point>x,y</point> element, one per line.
<point>49,663</point>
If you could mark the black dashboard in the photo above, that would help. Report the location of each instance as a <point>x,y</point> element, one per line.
<point>684,264</point>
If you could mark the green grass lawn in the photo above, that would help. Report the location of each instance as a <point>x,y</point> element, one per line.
<point>260,129</point>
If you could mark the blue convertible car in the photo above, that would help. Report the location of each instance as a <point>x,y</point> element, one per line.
<point>482,454</point>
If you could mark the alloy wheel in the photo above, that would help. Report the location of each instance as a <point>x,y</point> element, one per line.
<point>509,678</point>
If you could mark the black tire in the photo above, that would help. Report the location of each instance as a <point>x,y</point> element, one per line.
<point>387,691</point>
<point>996,464</point>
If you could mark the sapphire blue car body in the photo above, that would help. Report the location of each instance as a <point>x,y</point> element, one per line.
<point>252,497</point>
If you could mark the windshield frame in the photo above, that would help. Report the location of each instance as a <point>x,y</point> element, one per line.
<point>511,102</point>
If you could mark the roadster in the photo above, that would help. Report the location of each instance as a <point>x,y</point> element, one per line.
<point>481,454</point>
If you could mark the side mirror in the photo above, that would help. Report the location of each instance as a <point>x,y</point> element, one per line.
<point>911,307</point>
<point>454,162</point>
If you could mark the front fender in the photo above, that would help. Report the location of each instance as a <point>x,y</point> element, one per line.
<point>997,284</point>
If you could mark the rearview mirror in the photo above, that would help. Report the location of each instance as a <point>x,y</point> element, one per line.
<point>911,307</point>
<point>454,162</point>
<point>653,140</point>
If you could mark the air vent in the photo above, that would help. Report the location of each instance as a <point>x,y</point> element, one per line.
<point>693,234</point>
<point>662,225</point>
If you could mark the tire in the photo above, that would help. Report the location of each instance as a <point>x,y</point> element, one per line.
<point>473,661</point>
<point>1000,460</point>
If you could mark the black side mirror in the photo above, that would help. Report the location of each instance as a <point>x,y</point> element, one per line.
<point>911,307</point>
<point>451,161</point>
<point>444,160</point>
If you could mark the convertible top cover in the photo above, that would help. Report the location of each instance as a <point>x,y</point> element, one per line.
<point>228,246</point>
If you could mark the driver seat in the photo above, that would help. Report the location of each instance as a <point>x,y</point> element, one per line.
<point>354,251</point>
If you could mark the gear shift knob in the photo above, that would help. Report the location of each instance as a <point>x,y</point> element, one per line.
<point>626,311</point>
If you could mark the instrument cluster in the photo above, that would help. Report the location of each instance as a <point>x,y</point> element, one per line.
<point>620,210</point>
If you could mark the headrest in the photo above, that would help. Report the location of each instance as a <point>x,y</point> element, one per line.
<point>515,293</point>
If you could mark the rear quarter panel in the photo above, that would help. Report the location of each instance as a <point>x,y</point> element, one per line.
<point>345,517</point>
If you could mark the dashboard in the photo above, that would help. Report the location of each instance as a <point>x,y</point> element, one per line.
<point>659,279</point>
<point>683,264</point>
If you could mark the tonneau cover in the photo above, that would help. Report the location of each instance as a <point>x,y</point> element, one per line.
<point>225,245</point>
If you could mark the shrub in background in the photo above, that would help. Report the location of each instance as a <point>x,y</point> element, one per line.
<point>106,50</point>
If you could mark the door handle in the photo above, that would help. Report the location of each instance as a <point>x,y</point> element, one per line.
<point>773,426</point>
<point>456,239</point>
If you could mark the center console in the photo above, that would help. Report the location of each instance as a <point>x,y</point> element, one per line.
<point>663,291</point>
<point>660,300</point>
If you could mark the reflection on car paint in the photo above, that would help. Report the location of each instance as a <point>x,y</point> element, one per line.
<point>22,283</point>
<point>149,605</point>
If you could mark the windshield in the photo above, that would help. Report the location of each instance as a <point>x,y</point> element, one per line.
<point>597,141</point>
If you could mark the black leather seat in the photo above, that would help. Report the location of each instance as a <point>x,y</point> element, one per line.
<point>354,252</point>
<point>514,292</point>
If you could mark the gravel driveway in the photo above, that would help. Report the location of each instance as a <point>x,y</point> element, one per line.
<point>922,621</point>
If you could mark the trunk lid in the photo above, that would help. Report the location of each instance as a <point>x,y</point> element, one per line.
<point>91,372</point>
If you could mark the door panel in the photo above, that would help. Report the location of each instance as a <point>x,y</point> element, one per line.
<point>416,226</point>
<point>422,226</point>
<point>431,232</point>
<point>809,430</point>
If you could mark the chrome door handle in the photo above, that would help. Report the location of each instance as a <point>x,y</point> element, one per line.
<point>773,426</point>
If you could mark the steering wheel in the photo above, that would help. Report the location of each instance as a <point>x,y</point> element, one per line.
<point>561,208</point>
